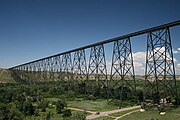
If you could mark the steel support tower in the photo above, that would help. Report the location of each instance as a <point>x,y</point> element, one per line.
<point>97,67</point>
<point>80,70</point>
<point>122,78</point>
<point>160,80</point>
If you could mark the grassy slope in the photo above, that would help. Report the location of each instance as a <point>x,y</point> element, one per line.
<point>5,76</point>
<point>148,115</point>
<point>97,105</point>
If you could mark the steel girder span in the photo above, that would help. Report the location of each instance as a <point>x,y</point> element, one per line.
<point>73,66</point>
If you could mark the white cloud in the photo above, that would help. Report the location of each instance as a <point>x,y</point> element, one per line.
<point>175,51</point>
<point>139,61</point>
<point>139,56</point>
<point>138,64</point>
<point>178,66</point>
<point>108,66</point>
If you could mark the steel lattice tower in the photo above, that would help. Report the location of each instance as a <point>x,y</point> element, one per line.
<point>79,66</point>
<point>97,66</point>
<point>160,81</point>
<point>122,70</point>
<point>57,68</point>
<point>67,70</point>
<point>66,66</point>
<point>80,71</point>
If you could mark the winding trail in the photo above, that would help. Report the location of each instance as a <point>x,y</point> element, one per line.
<point>117,118</point>
<point>107,113</point>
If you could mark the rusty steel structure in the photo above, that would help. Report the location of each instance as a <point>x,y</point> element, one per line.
<point>73,66</point>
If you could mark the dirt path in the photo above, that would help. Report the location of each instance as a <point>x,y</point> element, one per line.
<point>106,113</point>
<point>117,118</point>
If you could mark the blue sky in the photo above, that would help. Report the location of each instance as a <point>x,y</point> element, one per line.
<point>33,29</point>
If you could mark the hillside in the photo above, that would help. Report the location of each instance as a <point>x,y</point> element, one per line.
<point>5,76</point>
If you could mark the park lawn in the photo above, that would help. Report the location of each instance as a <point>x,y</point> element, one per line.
<point>90,105</point>
<point>148,115</point>
<point>98,105</point>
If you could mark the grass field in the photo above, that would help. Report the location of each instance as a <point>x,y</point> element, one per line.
<point>97,105</point>
<point>89,105</point>
<point>148,115</point>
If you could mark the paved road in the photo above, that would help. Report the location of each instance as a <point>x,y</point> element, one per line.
<point>106,113</point>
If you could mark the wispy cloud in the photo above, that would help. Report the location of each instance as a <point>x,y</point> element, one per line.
<point>176,51</point>
<point>139,61</point>
<point>178,66</point>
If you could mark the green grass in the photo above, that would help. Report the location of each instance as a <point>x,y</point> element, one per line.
<point>104,118</point>
<point>97,105</point>
<point>5,76</point>
<point>52,99</point>
<point>148,115</point>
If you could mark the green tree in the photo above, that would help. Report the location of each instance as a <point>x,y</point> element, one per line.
<point>140,95</point>
<point>56,90</point>
<point>2,111</point>
<point>60,106</point>
<point>43,105</point>
<point>28,108</point>
<point>36,112</point>
<point>67,113</point>
<point>76,116</point>
<point>48,116</point>
<point>8,112</point>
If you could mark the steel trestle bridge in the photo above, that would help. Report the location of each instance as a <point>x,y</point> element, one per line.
<point>160,80</point>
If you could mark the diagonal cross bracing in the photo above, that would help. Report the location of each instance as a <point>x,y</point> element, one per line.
<point>160,81</point>
<point>122,70</point>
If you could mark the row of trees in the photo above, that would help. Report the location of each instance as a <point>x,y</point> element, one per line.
<point>23,100</point>
<point>18,101</point>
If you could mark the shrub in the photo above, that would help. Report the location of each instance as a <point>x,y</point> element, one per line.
<point>67,113</point>
<point>60,106</point>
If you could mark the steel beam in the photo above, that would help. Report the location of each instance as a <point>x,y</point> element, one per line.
<point>175,23</point>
